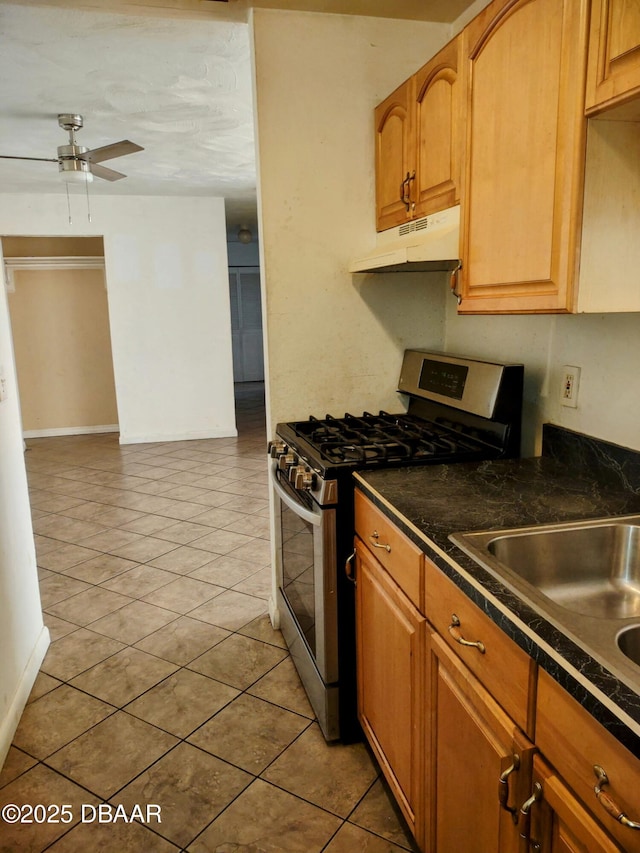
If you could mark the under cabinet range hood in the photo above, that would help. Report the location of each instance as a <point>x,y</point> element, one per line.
<point>423,245</point>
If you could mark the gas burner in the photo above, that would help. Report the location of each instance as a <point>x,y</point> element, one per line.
<point>370,439</point>
<point>366,452</point>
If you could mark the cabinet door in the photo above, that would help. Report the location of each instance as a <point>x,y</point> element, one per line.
<point>439,130</point>
<point>525,156</point>
<point>559,823</point>
<point>390,648</point>
<point>473,744</point>
<point>576,744</point>
<point>395,157</point>
<point>613,75</point>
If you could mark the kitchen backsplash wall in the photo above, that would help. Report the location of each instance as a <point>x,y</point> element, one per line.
<point>605,347</point>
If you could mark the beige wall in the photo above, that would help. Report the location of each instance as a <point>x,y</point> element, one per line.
<point>334,341</point>
<point>60,325</point>
<point>605,347</point>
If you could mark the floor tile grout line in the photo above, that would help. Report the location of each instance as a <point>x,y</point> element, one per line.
<point>146,562</point>
<point>69,682</point>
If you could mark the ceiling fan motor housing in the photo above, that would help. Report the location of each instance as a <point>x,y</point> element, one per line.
<point>70,161</point>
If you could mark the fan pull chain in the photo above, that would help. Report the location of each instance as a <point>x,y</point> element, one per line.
<point>86,186</point>
<point>68,203</point>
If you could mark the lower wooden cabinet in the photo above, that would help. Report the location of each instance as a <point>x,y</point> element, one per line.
<point>576,745</point>
<point>391,702</point>
<point>557,822</point>
<point>435,704</point>
<point>480,763</point>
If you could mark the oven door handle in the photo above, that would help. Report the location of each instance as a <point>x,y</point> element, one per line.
<point>294,506</point>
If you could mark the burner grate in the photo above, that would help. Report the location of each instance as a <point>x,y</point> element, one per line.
<point>369,438</point>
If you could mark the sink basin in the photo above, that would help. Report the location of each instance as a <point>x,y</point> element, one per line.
<point>629,643</point>
<point>583,577</point>
<point>593,570</point>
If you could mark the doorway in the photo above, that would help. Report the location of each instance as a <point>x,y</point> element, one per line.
<point>60,326</point>
<point>246,324</point>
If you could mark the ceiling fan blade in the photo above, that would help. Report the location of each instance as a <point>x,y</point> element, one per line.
<point>108,152</point>
<point>43,159</point>
<point>106,174</point>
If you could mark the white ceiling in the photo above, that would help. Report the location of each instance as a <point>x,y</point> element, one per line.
<point>171,75</point>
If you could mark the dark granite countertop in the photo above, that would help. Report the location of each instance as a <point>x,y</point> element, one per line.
<point>576,478</point>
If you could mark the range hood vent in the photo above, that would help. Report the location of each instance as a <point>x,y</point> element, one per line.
<point>423,245</point>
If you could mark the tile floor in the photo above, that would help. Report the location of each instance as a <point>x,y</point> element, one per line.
<point>165,683</point>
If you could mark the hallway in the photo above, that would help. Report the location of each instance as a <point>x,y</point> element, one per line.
<point>165,683</point>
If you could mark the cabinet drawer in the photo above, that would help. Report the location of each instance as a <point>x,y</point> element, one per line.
<point>574,743</point>
<point>400,557</point>
<point>505,670</point>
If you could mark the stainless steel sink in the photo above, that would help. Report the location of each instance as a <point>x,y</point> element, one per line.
<point>594,570</point>
<point>629,643</point>
<point>582,576</point>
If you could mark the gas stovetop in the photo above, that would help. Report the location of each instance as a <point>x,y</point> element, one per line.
<point>459,409</point>
<point>385,438</point>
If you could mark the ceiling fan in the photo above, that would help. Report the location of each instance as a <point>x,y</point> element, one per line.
<point>75,162</point>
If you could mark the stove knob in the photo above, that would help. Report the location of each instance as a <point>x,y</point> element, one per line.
<point>286,460</point>
<point>276,448</point>
<point>305,480</point>
<point>294,474</point>
<point>301,477</point>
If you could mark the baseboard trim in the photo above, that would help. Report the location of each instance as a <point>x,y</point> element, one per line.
<point>10,722</point>
<point>152,438</point>
<point>83,430</point>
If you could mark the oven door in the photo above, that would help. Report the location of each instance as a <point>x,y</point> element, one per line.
<point>307,594</point>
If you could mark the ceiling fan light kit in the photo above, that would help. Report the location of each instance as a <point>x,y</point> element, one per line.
<point>75,171</point>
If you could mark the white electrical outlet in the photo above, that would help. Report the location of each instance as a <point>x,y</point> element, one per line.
<point>569,387</point>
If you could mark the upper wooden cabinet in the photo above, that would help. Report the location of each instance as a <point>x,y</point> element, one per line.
<point>419,141</point>
<point>613,74</point>
<point>395,157</point>
<point>439,120</point>
<point>521,209</point>
<point>496,120</point>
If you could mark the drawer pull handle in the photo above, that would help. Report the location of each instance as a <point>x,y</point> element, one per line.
<point>607,803</point>
<point>525,814</point>
<point>375,535</point>
<point>503,788</point>
<point>348,570</point>
<point>457,636</point>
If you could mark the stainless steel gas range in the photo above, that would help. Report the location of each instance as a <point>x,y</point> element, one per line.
<point>460,409</point>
